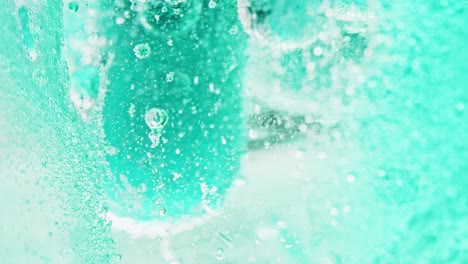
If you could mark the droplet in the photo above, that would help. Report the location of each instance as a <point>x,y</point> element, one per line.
<point>156,118</point>
<point>219,253</point>
<point>73,6</point>
<point>142,51</point>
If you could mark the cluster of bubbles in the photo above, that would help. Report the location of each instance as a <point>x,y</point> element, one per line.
<point>142,51</point>
<point>310,56</point>
<point>302,50</point>
<point>168,16</point>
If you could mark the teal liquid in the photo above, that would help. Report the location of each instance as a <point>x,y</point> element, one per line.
<point>189,71</point>
<point>403,132</point>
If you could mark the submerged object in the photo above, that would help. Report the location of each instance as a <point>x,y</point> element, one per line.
<point>171,106</point>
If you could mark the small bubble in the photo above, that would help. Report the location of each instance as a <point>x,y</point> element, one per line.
<point>120,20</point>
<point>280,224</point>
<point>155,138</point>
<point>212,4</point>
<point>350,178</point>
<point>399,182</point>
<point>156,118</point>
<point>170,77</point>
<point>381,173</point>
<point>131,110</point>
<point>240,182</point>
<point>347,208</point>
<point>219,254</point>
<point>176,176</point>
<point>333,211</point>
<point>460,107</point>
<point>299,154</point>
<point>318,51</point>
<point>73,6</point>
<point>322,155</point>
<point>142,51</point>
<point>162,212</point>
<point>257,109</point>
<point>303,128</point>
<point>253,134</point>
<point>234,30</point>
<point>350,91</point>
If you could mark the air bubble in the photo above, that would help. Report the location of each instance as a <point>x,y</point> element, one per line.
<point>120,20</point>
<point>73,6</point>
<point>155,138</point>
<point>170,77</point>
<point>234,30</point>
<point>318,51</point>
<point>162,212</point>
<point>142,51</point>
<point>212,4</point>
<point>350,178</point>
<point>156,119</point>
<point>219,254</point>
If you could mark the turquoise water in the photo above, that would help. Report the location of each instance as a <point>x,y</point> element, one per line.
<point>233,132</point>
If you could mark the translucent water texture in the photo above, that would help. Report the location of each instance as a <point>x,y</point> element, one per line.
<point>312,132</point>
